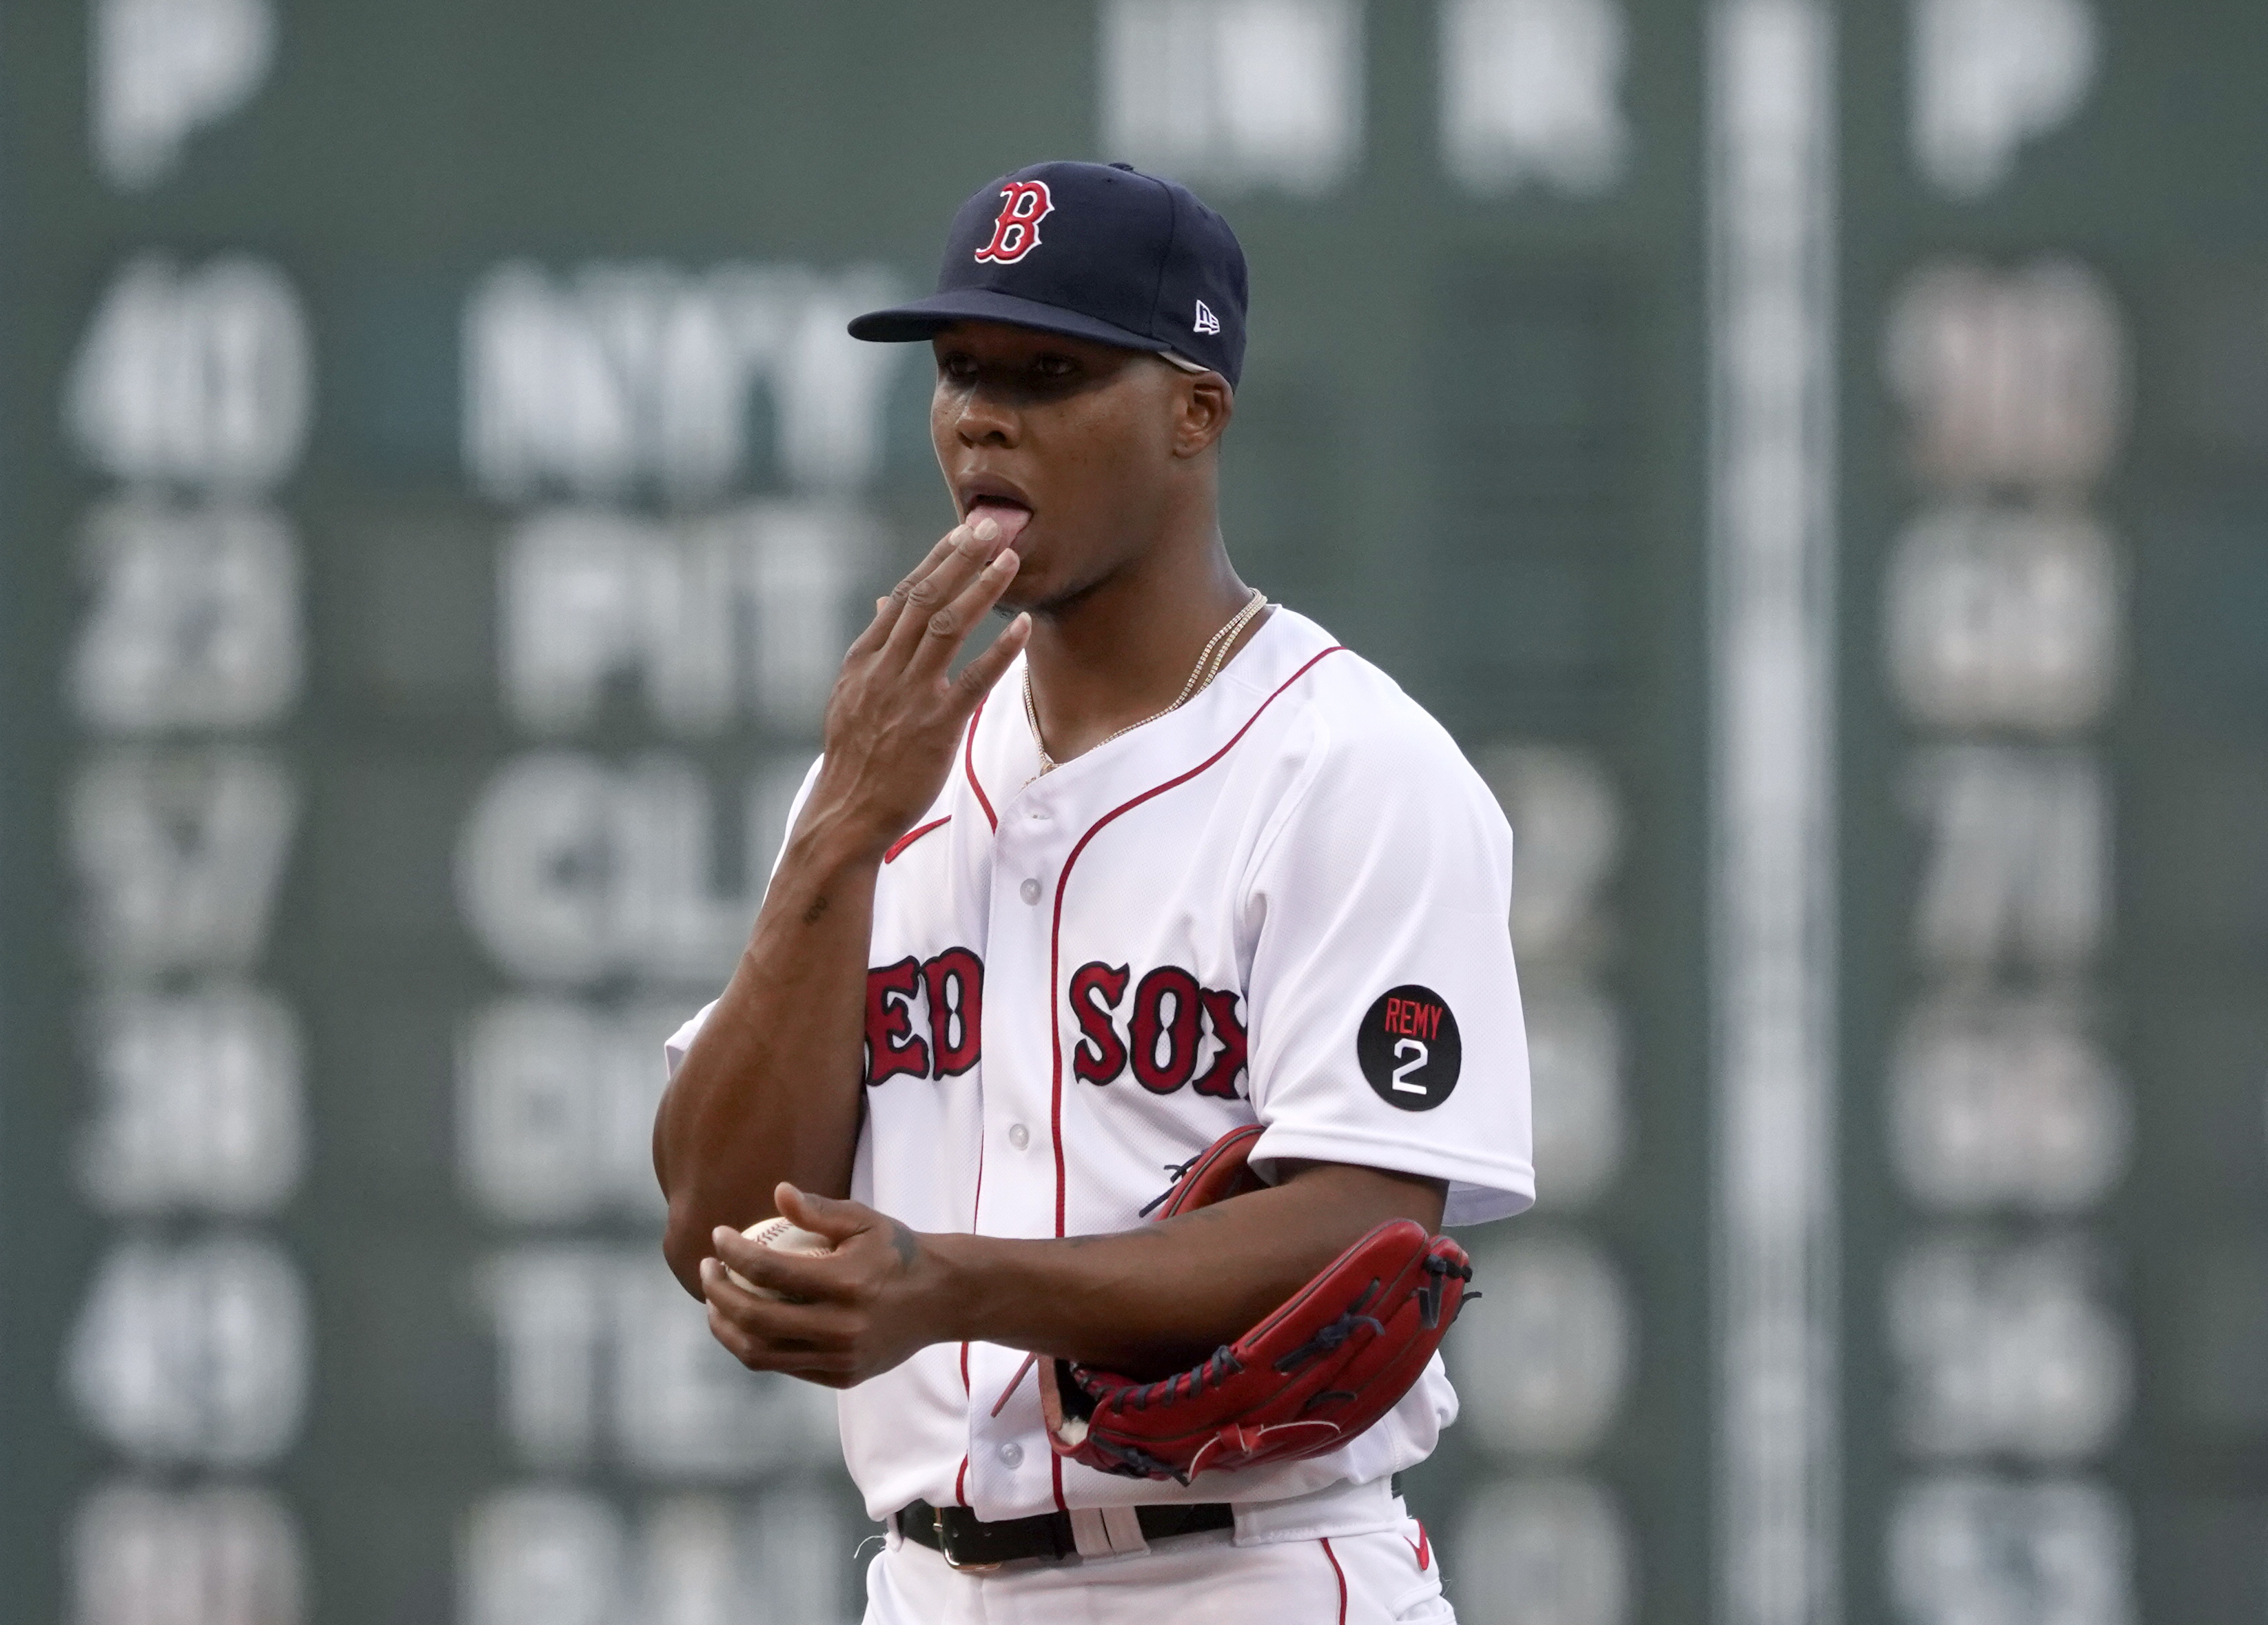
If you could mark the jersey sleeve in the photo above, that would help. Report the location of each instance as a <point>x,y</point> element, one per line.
<point>1385,1014</point>
<point>675,1048</point>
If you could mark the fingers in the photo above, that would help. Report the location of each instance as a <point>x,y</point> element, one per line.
<point>944,549</point>
<point>805,1280</point>
<point>824,1215</point>
<point>979,675</point>
<point>876,629</point>
<point>809,1329</point>
<point>921,596</point>
<point>886,608</point>
<point>760,1354</point>
<point>765,1267</point>
<point>948,628</point>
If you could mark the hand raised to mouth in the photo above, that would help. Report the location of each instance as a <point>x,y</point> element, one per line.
<point>896,712</point>
<point>1009,517</point>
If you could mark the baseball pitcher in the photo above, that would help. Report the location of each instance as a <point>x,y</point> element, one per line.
<point>1128,1010</point>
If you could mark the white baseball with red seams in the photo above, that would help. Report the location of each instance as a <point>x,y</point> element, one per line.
<point>782,1237</point>
<point>1285,902</point>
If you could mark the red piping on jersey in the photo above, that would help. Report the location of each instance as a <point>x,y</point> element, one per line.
<point>969,765</point>
<point>912,835</point>
<point>1340,1574</point>
<point>976,1206</point>
<point>1055,936</point>
<point>1423,1547</point>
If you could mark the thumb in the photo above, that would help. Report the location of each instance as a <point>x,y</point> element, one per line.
<point>822,1216</point>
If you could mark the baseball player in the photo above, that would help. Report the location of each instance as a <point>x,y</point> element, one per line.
<point>1162,863</point>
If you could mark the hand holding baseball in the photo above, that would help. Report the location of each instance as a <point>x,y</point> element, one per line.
<point>830,1291</point>
<point>780,1235</point>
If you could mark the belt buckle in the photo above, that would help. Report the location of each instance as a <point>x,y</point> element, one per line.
<point>944,1550</point>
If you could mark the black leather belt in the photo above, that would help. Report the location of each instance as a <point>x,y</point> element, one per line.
<point>967,1541</point>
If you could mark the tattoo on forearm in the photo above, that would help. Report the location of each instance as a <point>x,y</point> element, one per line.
<point>818,907</point>
<point>902,1239</point>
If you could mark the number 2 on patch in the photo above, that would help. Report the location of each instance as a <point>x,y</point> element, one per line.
<point>1402,1073</point>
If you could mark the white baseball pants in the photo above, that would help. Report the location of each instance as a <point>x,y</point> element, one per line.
<point>1385,1578</point>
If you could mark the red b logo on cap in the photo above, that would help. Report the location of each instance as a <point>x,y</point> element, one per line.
<point>1016,230</point>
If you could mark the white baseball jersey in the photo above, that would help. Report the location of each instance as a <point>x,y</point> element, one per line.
<point>1285,903</point>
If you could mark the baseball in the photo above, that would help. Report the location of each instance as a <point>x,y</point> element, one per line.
<point>781,1236</point>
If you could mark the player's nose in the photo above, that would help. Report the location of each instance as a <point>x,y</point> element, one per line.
<point>985,419</point>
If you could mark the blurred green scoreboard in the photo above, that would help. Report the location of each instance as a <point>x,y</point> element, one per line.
<point>1815,460</point>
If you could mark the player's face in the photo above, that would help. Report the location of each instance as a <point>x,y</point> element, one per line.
<point>1073,442</point>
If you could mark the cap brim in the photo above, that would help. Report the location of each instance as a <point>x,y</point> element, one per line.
<point>926,319</point>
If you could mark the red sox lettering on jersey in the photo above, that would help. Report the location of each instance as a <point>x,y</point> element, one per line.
<point>950,987</point>
<point>1173,1022</point>
<point>925,1018</point>
<point>1283,904</point>
<point>1016,230</point>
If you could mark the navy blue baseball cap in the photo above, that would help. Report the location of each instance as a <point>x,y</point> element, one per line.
<point>1094,251</point>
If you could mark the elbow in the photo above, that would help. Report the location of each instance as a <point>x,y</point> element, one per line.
<point>684,1245</point>
<point>685,1234</point>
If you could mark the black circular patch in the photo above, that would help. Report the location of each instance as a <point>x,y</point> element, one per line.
<point>1409,1048</point>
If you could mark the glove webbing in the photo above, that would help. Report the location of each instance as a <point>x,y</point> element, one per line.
<point>1329,1337</point>
<point>1189,1383</point>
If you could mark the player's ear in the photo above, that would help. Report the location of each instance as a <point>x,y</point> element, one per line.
<point>1203,407</point>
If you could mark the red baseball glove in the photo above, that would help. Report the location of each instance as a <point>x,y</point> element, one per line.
<point>1313,1375</point>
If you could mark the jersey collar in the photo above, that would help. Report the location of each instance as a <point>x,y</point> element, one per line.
<point>1005,759</point>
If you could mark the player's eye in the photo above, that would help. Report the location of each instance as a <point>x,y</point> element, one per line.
<point>959,368</point>
<point>1054,366</point>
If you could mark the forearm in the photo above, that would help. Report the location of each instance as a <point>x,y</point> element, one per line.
<point>1160,1298</point>
<point>770,1089</point>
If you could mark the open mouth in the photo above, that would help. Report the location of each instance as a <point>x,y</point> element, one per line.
<point>1005,512</point>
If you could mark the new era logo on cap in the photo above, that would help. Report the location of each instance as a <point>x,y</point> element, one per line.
<point>1128,260</point>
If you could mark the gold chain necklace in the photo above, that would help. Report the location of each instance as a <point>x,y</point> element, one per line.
<point>1211,658</point>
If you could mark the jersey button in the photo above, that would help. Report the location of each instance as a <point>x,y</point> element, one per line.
<point>1011,1454</point>
<point>1019,1135</point>
<point>1029,891</point>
